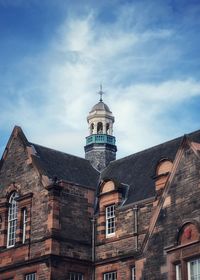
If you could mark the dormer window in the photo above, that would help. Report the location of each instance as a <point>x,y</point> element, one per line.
<point>12,220</point>
<point>164,167</point>
<point>163,170</point>
<point>110,220</point>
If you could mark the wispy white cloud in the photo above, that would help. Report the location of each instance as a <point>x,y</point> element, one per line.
<point>55,90</point>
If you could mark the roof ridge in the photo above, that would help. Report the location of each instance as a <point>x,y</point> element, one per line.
<point>156,146</point>
<point>148,149</point>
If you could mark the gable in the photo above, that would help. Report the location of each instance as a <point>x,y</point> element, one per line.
<point>16,164</point>
<point>179,200</point>
<point>182,187</point>
<point>20,155</point>
<point>138,171</point>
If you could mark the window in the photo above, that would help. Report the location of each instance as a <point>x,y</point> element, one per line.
<point>110,276</point>
<point>99,128</point>
<point>194,270</point>
<point>31,276</point>
<point>178,272</point>
<point>12,220</point>
<point>110,220</point>
<point>133,273</point>
<point>107,128</point>
<point>75,276</point>
<point>91,128</point>
<point>24,223</point>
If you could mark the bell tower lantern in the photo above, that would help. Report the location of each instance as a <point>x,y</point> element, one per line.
<point>100,146</point>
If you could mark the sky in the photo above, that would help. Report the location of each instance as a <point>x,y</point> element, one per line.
<point>54,54</point>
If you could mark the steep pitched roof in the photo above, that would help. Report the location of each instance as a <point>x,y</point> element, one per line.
<point>138,170</point>
<point>53,163</point>
<point>65,167</point>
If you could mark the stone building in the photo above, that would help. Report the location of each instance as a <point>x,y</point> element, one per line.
<point>67,218</point>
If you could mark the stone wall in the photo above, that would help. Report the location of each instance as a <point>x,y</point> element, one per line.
<point>120,251</point>
<point>59,226</point>
<point>76,211</point>
<point>181,205</point>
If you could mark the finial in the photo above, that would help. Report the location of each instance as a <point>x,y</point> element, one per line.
<point>101,93</point>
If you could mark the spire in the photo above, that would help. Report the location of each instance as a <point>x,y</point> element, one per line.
<point>101,93</point>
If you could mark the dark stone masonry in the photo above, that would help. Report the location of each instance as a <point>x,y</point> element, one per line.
<point>136,219</point>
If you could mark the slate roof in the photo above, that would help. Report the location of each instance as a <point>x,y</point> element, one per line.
<point>138,170</point>
<point>65,166</point>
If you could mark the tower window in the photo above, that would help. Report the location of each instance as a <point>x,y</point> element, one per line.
<point>12,220</point>
<point>91,128</point>
<point>107,128</point>
<point>99,128</point>
<point>110,220</point>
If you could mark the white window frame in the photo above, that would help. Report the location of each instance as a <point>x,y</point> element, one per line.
<point>24,217</point>
<point>194,277</point>
<point>110,275</point>
<point>30,276</point>
<point>110,220</point>
<point>133,273</point>
<point>75,276</point>
<point>178,272</point>
<point>12,220</point>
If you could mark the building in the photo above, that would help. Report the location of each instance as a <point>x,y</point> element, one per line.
<point>67,218</point>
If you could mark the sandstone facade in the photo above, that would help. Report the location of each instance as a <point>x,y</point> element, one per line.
<point>152,233</point>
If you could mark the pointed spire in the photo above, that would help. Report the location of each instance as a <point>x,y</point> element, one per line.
<point>101,93</point>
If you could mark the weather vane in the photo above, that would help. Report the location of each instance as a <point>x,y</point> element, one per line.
<point>101,93</point>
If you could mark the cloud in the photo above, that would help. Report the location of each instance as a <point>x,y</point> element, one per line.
<point>143,113</point>
<point>51,93</point>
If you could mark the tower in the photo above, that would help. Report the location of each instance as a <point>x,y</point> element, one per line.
<point>100,146</point>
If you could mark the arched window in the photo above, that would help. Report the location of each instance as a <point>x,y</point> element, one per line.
<point>99,128</point>
<point>91,128</point>
<point>12,220</point>
<point>107,128</point>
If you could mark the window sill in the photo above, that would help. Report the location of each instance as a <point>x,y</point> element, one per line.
<point>17,245</point>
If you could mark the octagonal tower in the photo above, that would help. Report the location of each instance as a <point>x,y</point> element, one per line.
<point>100,146</point>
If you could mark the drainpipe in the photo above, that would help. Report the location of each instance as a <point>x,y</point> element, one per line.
<point>29,240</point>
<point>93,247</point>
<point>135,213</point>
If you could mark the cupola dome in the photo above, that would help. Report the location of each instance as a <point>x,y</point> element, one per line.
<point>100,146</point>
<point>100,106</point>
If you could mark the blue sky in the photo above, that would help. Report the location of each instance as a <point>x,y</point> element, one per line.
<point>54,54</point>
